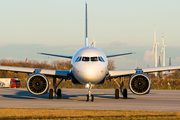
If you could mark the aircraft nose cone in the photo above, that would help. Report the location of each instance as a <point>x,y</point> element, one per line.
<point>90,73</point>
<point>93,74</point>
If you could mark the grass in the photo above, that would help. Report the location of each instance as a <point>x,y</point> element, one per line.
<point>84,114</point>
<point>129,118</point>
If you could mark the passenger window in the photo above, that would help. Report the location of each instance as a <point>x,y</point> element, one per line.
<point>85,59</point>
<point>101,59</point>
<point>78,59</point>
<point>94,59</point>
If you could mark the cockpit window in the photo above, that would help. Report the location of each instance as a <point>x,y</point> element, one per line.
<point>85,59</point>
<point>89,59</point>
<point>101,59</point>
<point>78,59</point>
<point>94,59</point>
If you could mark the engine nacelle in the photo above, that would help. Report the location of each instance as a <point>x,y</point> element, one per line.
<point>139,84</point>
<point>37,84</point>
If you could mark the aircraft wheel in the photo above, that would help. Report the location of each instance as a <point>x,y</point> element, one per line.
<point>116,93</point>
<point>92,97</point>
<point>51,94</point>
<point>87,97</point>
<point>125,93</point>
<point>59,94</point>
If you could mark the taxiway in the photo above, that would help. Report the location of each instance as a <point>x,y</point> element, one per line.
<point>156,100</point>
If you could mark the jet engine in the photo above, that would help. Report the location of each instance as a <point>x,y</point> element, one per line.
<point>140,84</point>
<point>37,84</point>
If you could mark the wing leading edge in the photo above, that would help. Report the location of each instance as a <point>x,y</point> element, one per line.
<point>56,55</point>
<point>116,73</point>
<point>121,54</point>
<point>60,73</point>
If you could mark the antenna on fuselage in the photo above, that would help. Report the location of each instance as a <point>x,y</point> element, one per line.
<point>86,26</point>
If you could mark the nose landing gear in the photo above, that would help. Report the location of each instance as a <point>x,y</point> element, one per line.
<point>89,96</point>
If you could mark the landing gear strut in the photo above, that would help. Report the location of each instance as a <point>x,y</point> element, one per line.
<point>89,96</point>
<point>56,91</point>
<point>122,91</point>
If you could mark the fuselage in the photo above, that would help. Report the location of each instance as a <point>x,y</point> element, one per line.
<point>89,65</point>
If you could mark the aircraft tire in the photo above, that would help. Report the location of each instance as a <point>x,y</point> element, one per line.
<point>59,94</point>
<point>92,97</point>
<point>116,93</point>
<point>125,93</point>
<point>87,97</point>
<point>51,94</point>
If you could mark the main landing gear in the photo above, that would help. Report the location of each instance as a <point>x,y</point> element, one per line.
<point>89,97</point>
<point>122,91</point>
<point>56,91</point>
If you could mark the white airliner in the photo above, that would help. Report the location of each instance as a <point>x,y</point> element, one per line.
<point>89,67</point>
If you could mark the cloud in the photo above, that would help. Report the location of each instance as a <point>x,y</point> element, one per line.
<point>123,63</point>
<point>11,58</point>
<point>149,56</point>
<point>118,43</point>
<point>175,61</point>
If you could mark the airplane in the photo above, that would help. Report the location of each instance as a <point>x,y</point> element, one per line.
<point>88,67</point>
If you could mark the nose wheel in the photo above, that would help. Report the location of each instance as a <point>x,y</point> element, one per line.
<point>89,96</point>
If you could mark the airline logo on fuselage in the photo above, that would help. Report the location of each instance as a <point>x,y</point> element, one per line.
<point>2,84</point>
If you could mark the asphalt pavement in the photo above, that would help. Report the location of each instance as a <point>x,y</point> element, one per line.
<point>104,99</point>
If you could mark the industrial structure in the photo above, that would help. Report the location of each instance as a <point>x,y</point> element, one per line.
<point>155,48</point>
<point>162,53</point>
<point>163,50</point>
<point>94,42</point>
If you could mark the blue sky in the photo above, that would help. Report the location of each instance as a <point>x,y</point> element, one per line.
<point>31,26</point>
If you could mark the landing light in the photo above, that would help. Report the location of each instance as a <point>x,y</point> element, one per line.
<point>87,85</point>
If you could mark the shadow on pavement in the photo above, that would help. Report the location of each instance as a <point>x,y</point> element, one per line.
<point>22,94</point>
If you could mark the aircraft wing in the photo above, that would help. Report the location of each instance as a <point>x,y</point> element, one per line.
<point>121,54</point>
<point>60,73</point>
<point>117,73</point>
<point>57,55</point>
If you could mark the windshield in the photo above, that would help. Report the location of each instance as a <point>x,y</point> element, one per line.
<point>78,59</point>
<point>17,82</point>
<point>85,59</point>
<point>94,59</point>
<point>101,59</point>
